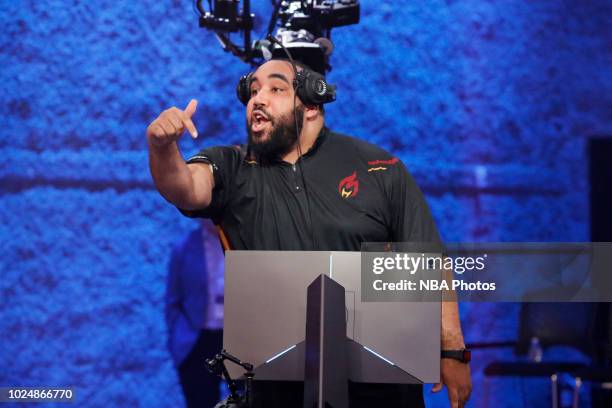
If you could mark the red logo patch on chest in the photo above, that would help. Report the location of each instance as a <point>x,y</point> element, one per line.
<point>349,186</point>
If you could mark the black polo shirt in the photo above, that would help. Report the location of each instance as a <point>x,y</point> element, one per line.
<point>354,192</point>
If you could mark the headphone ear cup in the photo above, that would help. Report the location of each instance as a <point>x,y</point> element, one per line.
<point>313,89</point>
<point>243,90</point>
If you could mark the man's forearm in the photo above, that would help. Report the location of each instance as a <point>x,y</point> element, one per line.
<point>171,175</point>
<point>452,337</point>
<point>187,187</point>
<point>451,334</point>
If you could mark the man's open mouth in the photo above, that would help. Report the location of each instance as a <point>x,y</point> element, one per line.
<point>259,120</point>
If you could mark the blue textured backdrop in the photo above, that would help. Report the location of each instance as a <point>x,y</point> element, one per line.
<point>488,103</point>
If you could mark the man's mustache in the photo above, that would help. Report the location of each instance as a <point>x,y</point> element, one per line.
<point>267,114</point>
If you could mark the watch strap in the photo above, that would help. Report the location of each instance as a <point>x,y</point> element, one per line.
<point>464,355</point>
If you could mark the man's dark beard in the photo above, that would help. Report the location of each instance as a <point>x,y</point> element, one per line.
<point>282,137</point>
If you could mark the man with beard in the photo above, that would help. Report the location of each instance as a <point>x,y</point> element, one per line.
<point>318,191</point>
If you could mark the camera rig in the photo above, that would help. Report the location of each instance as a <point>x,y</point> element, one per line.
<point>303,26</point>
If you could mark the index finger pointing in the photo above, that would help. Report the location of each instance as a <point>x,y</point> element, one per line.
<point>191,108</point>
<point>189,125</point>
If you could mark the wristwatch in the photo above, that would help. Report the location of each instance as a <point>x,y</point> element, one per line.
<point>464,355</point>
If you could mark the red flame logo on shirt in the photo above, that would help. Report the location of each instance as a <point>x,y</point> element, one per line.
<point>349,186</point>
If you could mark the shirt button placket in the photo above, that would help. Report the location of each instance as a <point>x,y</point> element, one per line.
<point>296,179</point>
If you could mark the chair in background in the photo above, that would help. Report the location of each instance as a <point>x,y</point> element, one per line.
<point>541,326</point>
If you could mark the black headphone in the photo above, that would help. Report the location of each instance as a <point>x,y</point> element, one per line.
<point>310,86</point>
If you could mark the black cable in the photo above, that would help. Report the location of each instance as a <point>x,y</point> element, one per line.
<point>194,7</point>
<point>198,4</point>
<point>298,132</point>
<point>273,17</point>
<point>303,177</point>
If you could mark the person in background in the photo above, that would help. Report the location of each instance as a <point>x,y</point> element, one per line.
<point>194,313</point>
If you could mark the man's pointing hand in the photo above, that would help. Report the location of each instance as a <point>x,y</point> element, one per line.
<point>170,125</point>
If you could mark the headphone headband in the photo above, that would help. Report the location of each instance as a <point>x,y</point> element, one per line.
<point>310,86</point>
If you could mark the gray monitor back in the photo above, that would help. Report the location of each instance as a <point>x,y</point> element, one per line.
<point>265,313</point>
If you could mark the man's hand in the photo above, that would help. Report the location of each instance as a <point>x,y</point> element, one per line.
<point>187,186</point>
<point>456,377</point>
<point>170,125</point>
